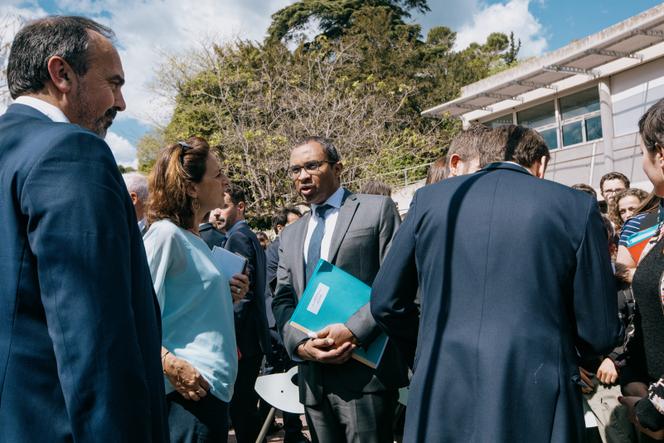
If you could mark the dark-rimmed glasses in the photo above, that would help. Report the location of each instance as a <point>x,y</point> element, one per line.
<point>312,167</point>
<point>184,147</point>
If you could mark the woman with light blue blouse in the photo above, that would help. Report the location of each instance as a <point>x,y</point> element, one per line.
<point>199,352</point>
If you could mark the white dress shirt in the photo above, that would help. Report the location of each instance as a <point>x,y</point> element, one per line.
<point>330,222</point>
<point>50,111</point>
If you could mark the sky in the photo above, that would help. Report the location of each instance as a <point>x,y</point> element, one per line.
<point>148,29</point>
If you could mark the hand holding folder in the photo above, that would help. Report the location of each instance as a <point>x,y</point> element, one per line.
<point>332,296</point>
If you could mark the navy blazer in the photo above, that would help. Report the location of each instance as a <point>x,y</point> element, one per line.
<point>79,324</point>
<point>251,329</point>
<point>514,277</point>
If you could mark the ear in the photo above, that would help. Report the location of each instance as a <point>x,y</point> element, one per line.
<point>192,190</point>
<point>338,168</point>
<point>134,198</point>
<point>61,74</point>
<point>539,167</point>
<point>454,166</point>
<point>241,206</point>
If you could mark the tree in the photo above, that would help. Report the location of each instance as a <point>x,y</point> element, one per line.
<point>364,88</point>
<point>333,17</point>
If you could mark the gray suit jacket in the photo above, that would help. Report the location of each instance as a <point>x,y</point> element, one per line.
<point>365,227</point>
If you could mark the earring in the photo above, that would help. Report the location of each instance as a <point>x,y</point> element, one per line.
<point>195,204</point>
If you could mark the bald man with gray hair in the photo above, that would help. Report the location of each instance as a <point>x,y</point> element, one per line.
<point>137,186</point>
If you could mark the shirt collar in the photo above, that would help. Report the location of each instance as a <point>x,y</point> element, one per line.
<point>235,227</point>
<point>50,111</point>
<point>333,200</point>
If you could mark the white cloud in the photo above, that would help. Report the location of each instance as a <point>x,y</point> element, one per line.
<point>505,17</point>
<point>123,151</point>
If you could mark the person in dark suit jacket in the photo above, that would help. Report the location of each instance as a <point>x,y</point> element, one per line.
<point>515,279</point>
<point>211,236</point>
<point>251,330</point>
<point>79,324</point>
<point>344,399</point>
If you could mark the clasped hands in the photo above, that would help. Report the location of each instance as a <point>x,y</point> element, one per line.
<point>334,344</point>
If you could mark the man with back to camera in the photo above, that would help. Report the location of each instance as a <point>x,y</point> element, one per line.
<point>79,324</point>
<point>251,330</point>
<point>514,277</point>
<point>344,400</point>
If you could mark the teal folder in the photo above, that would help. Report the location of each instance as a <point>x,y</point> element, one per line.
<point>333,296</point>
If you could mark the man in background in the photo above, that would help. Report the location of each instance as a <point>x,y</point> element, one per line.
<point>137,186</point>
<point>251,330</point>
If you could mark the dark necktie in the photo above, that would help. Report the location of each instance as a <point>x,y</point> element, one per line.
<point>313,251</point>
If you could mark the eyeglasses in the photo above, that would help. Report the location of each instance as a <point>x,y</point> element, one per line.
<point>312,167</point>
<point>184,146</point>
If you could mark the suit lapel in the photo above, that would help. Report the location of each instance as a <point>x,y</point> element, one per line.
<point>299,267</point>
<point>346,213</point>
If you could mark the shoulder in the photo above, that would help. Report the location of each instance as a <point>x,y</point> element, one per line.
<point>163,230</point>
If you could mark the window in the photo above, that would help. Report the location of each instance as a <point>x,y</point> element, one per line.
<point>580,117</point>
<point>540,115</point>
<point>550,136</point>
<point>577,120</point>
<point>581,103</point>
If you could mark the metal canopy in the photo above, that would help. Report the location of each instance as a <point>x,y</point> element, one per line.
<point>581,57</point>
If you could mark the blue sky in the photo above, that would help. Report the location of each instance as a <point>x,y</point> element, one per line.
<point>148,29</point>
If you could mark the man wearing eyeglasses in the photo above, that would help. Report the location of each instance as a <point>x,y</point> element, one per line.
<point>344,399</point>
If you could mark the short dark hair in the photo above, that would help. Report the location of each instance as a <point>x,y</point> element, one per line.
<point>281,217</point>
<point>651,126</point>
<point>613,176</point>
<point>331,153</point>
<point>519,144</point>
<point>39,40</point>
<point>585,188</point>
<point>236,194</point>
<point>376,187</point>
<point>470,143</point>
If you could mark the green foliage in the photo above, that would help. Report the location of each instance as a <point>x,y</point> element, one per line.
<point>362,82</point>
<point>334,17</point>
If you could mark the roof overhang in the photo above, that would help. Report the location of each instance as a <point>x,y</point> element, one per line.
<point>615,48</point>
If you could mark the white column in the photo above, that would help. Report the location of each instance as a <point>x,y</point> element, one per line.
<point>606,113</point>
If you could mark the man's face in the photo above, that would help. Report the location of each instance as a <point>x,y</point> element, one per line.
<point>216,219</point>
<point>97,96</point>
<point>611,187</point>
<point>229,212</point>
<point>317,185</point>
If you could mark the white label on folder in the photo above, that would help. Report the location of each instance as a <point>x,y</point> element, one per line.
<point>318,298</point>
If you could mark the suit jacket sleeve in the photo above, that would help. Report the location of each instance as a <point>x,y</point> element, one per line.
<point>78,230</point>
<point>284,303</point>
<point>595,307</point>
<point>395,287</point>
<point>241,244</point>
<point>362,324</point>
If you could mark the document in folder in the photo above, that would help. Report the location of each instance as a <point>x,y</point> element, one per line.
<point>228,262</point>
<point>333,296</point>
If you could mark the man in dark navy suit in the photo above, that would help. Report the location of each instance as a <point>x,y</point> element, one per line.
<point>79,325</point>
<point>251,330</point>
<point>515,279</point>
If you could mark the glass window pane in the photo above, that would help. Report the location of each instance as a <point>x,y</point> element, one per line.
<point>580,103</point>
<point>572,134</point>
<point>500,121</point>
<point>550,136</point>
<point>539,115</point>
<point>593,128</point>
